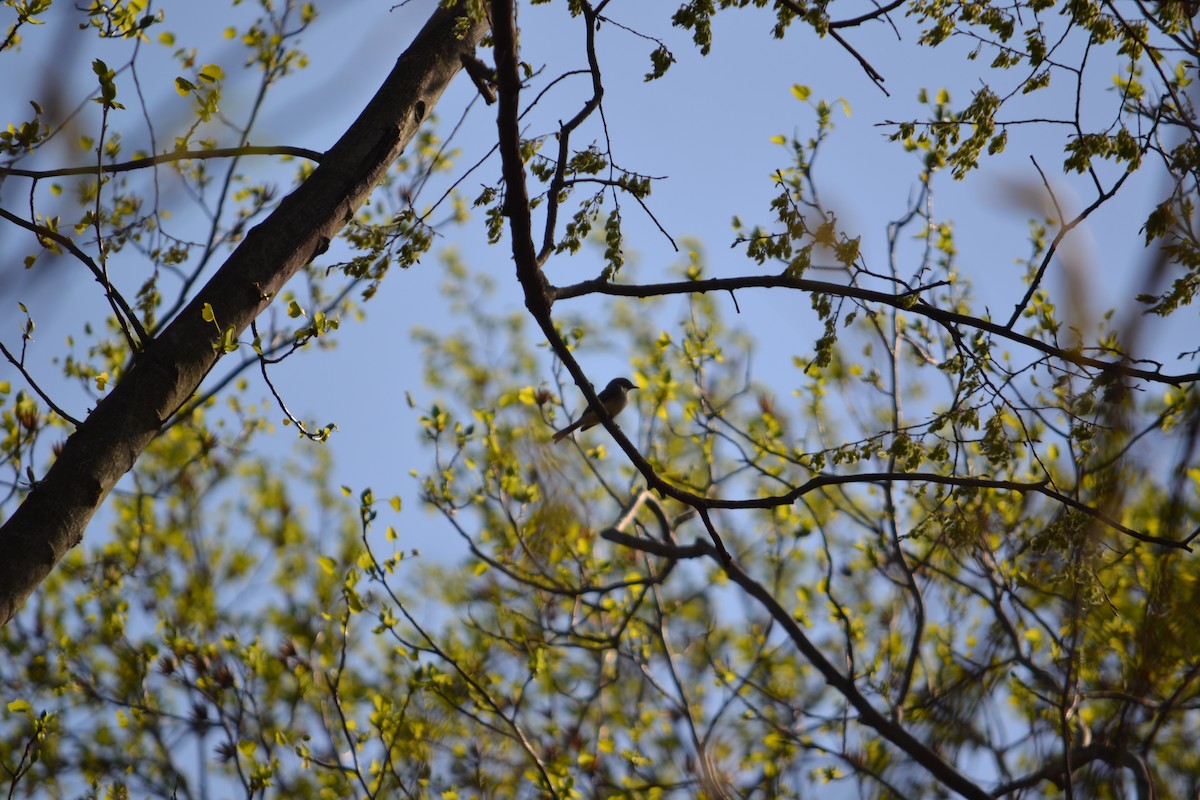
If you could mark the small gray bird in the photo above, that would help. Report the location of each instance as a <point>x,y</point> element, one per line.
<point>615,396</point>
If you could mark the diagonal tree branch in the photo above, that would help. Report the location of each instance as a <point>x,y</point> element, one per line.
<point>52,518</point>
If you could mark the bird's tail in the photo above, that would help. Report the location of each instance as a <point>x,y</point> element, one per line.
<point>565,432</point>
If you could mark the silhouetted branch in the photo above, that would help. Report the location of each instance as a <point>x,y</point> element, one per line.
<point>165,158</point>
<point>901,301</point>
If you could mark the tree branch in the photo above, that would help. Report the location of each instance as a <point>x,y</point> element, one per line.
<point>1060,768</point>
<point>882,11</point>
<point>20,365</point>
<point>165,158</point>
<point>872,73</point>
<point>115,299</point>
<point>537,290</point>
<point>901,301</point>
<point>52,518</point>
<point>867,714</point>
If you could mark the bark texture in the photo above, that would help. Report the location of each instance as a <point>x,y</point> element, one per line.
<point>53,516</point>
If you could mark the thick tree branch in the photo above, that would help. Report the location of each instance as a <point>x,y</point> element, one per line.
<point>52,518</point>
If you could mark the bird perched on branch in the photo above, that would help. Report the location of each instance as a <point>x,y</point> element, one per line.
<point>614,398</point>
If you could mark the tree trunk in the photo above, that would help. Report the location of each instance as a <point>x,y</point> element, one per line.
<point>52,518</point>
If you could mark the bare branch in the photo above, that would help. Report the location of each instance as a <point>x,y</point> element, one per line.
<point>119,306</point>
<point>902,301</point>
<point>165,158</point>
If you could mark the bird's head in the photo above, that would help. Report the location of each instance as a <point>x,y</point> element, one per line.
<point>620,384</point>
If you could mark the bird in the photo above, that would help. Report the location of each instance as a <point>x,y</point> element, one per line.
<point>614,397</point>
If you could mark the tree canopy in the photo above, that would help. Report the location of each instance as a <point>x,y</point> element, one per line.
<point>942,546</point>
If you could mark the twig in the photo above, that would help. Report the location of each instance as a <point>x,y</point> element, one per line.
<point>73,249</point>
<point>867,714</point>
<point>319,436</point>
<point>902,301</point>
<point>165,158</point>
<point>1062,232</point>
<point>33,385</point>
<point>870,15</point>
<point>872,73</point>
<point>481,75</point>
